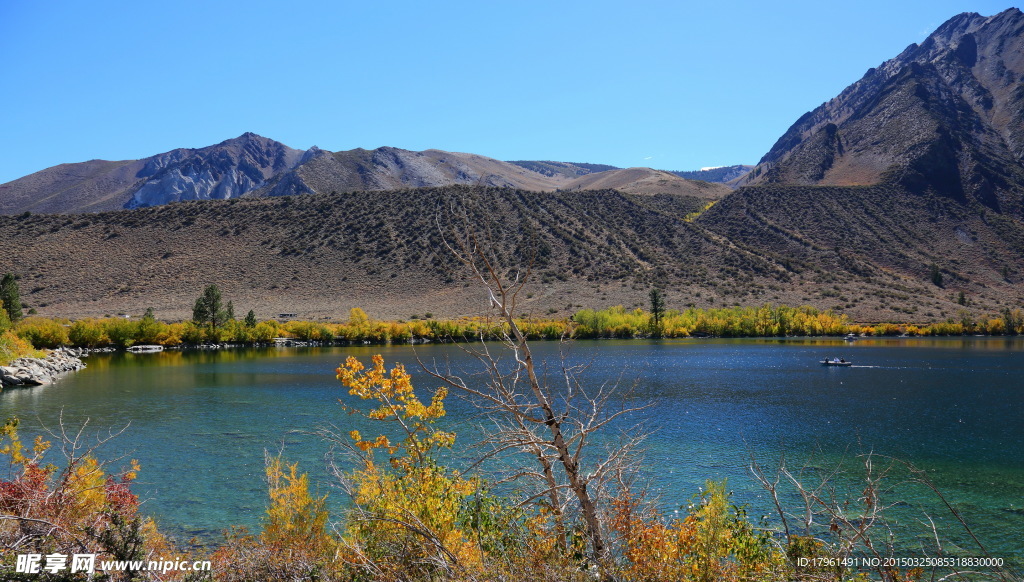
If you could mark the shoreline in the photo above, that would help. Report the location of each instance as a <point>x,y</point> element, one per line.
<point>297,343</point>
<point>29,372</point>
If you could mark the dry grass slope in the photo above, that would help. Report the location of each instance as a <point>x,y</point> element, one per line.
<point>863,250</point>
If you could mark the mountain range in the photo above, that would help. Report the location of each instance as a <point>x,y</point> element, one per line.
<point>254,166</point>
<point>901,199</point>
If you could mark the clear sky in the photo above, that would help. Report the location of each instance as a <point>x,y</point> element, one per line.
<point>675,85</point>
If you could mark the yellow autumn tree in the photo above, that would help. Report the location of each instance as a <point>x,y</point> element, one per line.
<point>406,518</point>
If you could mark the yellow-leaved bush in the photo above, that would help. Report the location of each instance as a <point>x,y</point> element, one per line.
<point>712,542</point>
<point>407,518</point>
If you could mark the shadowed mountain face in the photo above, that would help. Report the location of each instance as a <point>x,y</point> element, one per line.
<point>946,116</point>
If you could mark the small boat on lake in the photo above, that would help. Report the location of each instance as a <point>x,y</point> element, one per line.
<point>836,362</point>
<point>145,349</point>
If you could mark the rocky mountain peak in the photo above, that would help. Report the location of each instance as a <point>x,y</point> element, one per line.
<point>946,115</point>
<point>227,170</point>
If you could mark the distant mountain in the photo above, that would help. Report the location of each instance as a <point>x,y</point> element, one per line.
<point>723,174</point>
<point>945,116</point>
<point>566,169</point>
<point>225,170</point>
<point>390,168</point>
<point>647,181</point>
<point>255,166</point>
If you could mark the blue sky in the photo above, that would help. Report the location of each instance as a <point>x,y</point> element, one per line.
<point>672,85</point>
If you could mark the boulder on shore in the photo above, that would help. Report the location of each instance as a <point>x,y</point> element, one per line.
<point>39,371</point>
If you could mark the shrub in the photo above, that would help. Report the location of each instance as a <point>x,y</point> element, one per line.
<point>42,332</point>
<point>264,331</point>
<point>122,332</point>
<point>5,320</point>
<point>88,333</point>
<point>192,333</point>
<point>84,508</point>
<point>714,541</point>
<point>13,347</point>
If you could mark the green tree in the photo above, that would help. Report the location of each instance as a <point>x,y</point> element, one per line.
<point>657,311</point>
<point>1012,319</point>
<point>250,319</point>
<point>10,297</point>
<point>209,310</point>
<point>230,312</point>
<point>935,274</point>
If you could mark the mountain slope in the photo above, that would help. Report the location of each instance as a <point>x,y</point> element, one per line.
<point>319,255</point>
<point>724,174</point>
<point>90,186</point>
<point>946,115</point>
<point>566,169</point>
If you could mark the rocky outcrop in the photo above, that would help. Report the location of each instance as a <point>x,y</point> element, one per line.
<point>39,371</point>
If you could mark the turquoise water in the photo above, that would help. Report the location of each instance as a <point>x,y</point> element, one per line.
<point>200,422</point>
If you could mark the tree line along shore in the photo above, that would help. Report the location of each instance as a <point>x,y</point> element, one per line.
<point>30,334</point>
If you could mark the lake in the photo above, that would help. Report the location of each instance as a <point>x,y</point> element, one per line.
<point>200,422</point>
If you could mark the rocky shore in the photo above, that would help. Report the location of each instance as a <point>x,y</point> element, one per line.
<point>39,371</point>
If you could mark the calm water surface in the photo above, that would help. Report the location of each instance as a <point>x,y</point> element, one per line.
<point>200,422</point>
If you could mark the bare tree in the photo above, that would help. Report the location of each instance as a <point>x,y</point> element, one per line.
<point>857,528</point>
<point>551,422</point>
